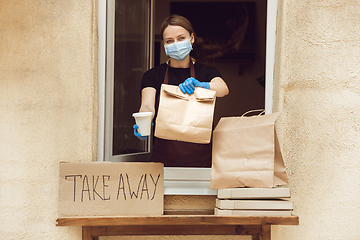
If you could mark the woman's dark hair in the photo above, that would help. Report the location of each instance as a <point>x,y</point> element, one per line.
<point>176,20</point>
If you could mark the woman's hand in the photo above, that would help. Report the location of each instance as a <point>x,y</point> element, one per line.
<point>147,105</point>
<point>138,135</point>
<point>188,86</point>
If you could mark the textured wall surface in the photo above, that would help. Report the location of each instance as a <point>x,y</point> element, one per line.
<point>48,114</point>
<point>317,81</point>
<point>47,108</point>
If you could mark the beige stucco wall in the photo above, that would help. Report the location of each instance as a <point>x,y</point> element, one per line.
<point>317,81</point>
<point>48,109</point>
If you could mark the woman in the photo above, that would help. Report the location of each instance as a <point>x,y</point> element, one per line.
<point>178,37</point>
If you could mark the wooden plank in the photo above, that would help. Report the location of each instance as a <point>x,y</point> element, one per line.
<point>266,233</point>
<point>189,212</point>
<point>86,233</point>
<point>255,237</point>
<point>176,230</point>
<point>184,220</point>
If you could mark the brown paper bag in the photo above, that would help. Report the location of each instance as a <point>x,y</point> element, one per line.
<point>185,117</point>
<point>246,153</point>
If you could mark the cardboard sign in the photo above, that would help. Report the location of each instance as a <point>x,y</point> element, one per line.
<point>111,189</point>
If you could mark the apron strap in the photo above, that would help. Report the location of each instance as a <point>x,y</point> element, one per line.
<point>166,79</point>
<point>192,72</point>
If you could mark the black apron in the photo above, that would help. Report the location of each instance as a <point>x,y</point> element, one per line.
<point>177,153</point>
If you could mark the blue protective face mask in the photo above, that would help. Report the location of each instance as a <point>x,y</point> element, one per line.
<point>178,50</point>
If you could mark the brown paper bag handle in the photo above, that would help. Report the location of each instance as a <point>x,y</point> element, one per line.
<point>201,94</point>
<point>204,95</point>
<point>258,110</point>
<point>174,91</point>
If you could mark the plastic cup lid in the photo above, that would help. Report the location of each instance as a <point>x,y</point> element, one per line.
<point>142,114</point>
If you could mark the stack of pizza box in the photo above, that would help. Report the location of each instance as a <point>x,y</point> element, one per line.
<point>254,202</point>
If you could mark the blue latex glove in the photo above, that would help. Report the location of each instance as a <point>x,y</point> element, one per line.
<point>138,134</point>
<point>188,86</point>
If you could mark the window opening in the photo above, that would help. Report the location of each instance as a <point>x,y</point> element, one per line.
<point>128,57</point>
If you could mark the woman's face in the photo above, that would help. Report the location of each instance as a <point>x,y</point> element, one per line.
<point>174,33</point>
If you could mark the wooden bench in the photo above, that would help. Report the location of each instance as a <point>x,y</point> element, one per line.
<point>257,227</point>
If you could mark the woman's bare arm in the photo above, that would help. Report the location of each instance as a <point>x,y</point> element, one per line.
<point>148,100</point>
<point>218,84</point>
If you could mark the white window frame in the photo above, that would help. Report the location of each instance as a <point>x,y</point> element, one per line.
<point>181,181</point>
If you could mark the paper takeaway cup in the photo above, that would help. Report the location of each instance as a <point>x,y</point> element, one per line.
<point>143,120</point>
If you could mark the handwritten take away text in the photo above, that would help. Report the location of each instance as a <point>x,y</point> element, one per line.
<point>96,187</point>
